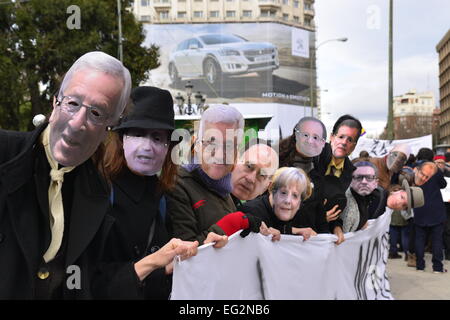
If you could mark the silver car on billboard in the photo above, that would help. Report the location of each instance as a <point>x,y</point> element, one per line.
<point>212,56</point>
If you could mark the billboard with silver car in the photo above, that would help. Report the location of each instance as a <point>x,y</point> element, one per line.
<point>234,62</point>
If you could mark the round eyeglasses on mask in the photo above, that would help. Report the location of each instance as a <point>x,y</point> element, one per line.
<point>71,106</point>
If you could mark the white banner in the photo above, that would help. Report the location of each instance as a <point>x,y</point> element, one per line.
<point>446,191</point>
<point>300,43</point>
<point>379,148</point>
<point>256,268</point>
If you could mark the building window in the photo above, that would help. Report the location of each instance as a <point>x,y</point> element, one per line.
<point>247,13</point>
<point>296,19</point>
<point>285,2</point>
<point>295,3</point>
<point>268,13</point>
<point>145,18</point>
<point>231,14</point>
<point>181,14</point>
<point>198,14</point>
<point>308,6</point>
<point>164,15</point>
<point>285,16</point>
<point>214,14</point>
<point>307,22</point>
<point>181,0</point>
<point>145,3</point>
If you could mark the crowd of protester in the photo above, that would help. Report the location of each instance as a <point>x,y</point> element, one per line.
<point>96,186</point>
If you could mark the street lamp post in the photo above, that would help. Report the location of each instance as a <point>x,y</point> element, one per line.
<point>312,64</point>
<point>188,107</point>
<point>319,108</point>
<point>119,18</point>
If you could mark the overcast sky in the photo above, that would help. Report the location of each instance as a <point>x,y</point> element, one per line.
<point>353,75</point>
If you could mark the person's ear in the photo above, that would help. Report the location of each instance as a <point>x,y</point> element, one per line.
<point>55,104</point>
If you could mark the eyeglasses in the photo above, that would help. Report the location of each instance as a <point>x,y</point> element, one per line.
<point>425,177</point>
<point>156,138</point>
<point>262,174</point>
<point>343,137</point>
<point>71,106</point>
<point>369,178</point>
<point>305,136</point>
<point>212,145</point>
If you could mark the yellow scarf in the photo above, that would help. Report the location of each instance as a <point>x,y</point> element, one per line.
<point>335,168</point>
<point>54,198</point>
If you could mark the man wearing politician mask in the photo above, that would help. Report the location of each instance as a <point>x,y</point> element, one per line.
<point>300,150</point>
<point>392,163</point>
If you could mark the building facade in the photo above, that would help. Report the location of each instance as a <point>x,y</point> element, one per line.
<point>443,49</point>
<point>254,55</point>
<point>299,13</point>
<point>413,114</point>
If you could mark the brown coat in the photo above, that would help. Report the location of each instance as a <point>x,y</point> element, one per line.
<point>384,175</point>
<point>193,209</point>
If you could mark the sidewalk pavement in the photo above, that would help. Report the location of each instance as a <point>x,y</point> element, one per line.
<point>408,284</point>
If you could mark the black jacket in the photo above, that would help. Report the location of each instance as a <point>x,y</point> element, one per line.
<point>312,212</point>
<point>304,218</point>
<point>261,208</point>
<point>324,160</point>
<point>332,184</point>
<point>24,218</point>
<point>135,208</point>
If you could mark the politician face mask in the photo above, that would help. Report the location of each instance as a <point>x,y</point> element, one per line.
<point>308,137</point>
<point>145,150</point>
<point>395,161</point>
<point>364,180</point>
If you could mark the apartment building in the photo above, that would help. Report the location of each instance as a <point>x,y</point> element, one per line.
<point>443,49</point>
<point>299,13</point>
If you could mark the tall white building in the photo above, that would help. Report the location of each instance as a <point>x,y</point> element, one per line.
<point>298,13</point>
<point>413,114</point>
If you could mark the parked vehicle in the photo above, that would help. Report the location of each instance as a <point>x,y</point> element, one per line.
<point>212,56</point>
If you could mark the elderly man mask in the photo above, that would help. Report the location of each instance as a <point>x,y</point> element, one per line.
<point>364,180</point>
<point>397,158</point>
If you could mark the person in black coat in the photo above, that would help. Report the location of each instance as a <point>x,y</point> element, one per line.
<point>301,150</point>
<point>137,262</point>
<point>290,186</point>
<point>336,167</point>
<point>53,202</point>
<point>360,196</point>
<point>430,218</point>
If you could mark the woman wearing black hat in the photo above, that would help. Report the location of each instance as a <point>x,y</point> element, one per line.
<point>138,253</point>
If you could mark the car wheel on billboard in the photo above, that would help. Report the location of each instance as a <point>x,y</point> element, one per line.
<point>212,71</point>
<point>265,74</point>
<point>173,74</point>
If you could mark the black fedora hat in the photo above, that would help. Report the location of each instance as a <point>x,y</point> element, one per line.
<point>152,108</point>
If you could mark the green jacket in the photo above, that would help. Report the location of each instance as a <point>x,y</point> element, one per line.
<point>193,209</point>
<point>397,219</point>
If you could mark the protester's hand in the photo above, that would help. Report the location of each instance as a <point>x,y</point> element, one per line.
<point>332,214</point>
<point>276,234</point>
<point>340,234</point>
<point>306,233</point>
<point>254,224</point>
<point>220,241</point>
<point>164,256</point>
